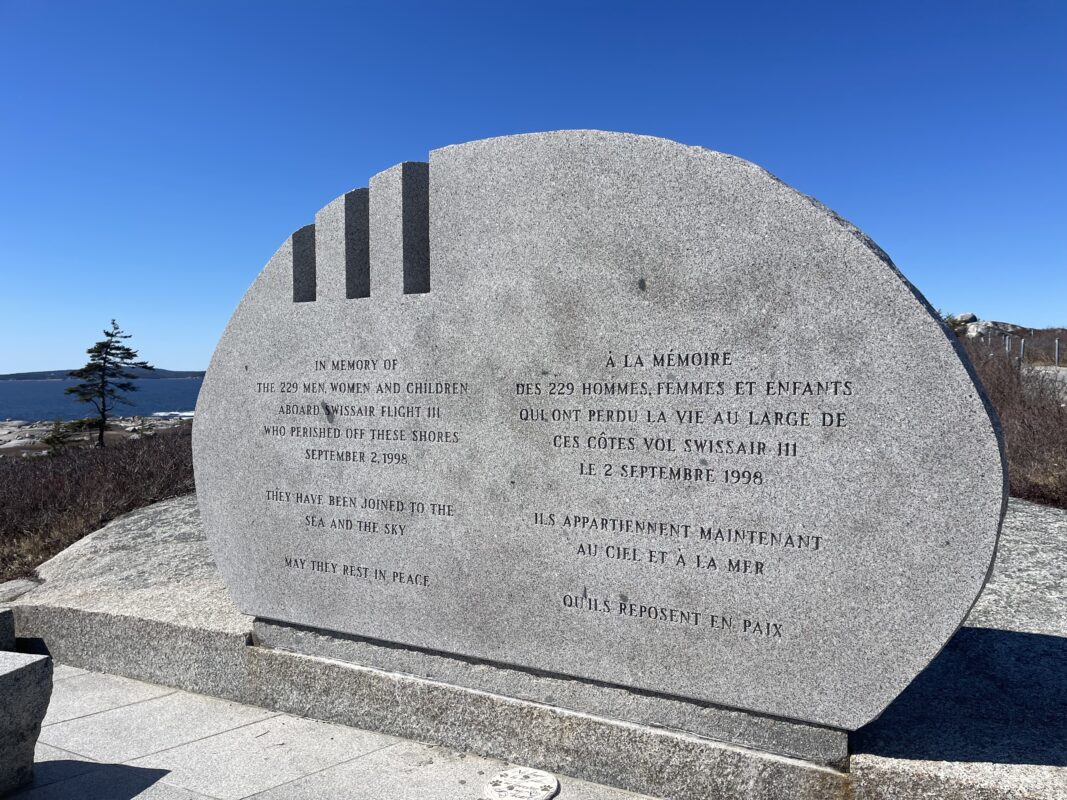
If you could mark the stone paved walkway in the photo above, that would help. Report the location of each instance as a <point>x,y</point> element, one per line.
<point>111,738</point>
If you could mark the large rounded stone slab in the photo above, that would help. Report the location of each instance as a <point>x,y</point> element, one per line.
<point>609,407</point>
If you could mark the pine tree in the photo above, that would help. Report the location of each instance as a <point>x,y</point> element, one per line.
<point>107,376</point>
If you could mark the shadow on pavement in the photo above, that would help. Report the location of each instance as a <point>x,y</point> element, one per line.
<point>990,696</point>
<point>82,780</point>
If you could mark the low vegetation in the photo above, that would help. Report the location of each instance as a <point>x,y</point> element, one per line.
<point>49,502</point>
<point>1032,406</point>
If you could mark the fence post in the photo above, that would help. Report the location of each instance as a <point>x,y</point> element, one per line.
<point>1057,351</point>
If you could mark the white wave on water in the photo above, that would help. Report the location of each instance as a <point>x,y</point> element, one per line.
<point>174,414</point>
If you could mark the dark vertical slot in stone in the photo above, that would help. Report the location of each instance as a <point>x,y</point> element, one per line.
<point>416,204</point>
<point>304,264</point>
<point>357,244</point>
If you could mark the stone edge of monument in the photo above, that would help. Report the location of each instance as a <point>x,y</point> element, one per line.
<point>961,353</point>
<point>806,741</point>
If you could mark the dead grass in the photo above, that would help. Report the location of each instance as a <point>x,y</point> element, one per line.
<point>48,503</point>
<point>1033,414</point>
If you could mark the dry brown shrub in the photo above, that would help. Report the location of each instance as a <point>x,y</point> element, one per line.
<point>1032,407</point>
<point>48,503</point>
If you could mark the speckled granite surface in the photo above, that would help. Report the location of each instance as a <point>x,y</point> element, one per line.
<point>152,563</point>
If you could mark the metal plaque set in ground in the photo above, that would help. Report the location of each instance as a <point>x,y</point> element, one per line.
<point>603,422</point>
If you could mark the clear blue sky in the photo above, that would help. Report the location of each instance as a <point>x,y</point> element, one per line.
<point>153,155</point>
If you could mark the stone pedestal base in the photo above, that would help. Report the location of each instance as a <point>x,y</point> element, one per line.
<point>645,742</point>
<point>648,760</point>
<point>25,688</point>
<point>817,744</point>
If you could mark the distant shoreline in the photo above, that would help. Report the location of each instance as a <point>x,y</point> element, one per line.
<point>138,374</point>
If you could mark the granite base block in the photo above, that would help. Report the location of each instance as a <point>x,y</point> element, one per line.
<point>642,759</point>
<point>197,660</point>
<point>878,778</point>
<point>25,689</point>
<point>821,745</point>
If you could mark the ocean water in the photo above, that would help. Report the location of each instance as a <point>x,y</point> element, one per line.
<point>33,400</point>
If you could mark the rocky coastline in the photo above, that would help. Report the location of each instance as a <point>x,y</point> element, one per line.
<point>31,438</point>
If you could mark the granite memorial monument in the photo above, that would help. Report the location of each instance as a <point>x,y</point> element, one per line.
<point>607,422</point>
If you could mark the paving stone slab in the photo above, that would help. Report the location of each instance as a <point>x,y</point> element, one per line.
<point>132,731</point>
<point>256,757</point>
<point>95,692</point>
<point>410,771</point>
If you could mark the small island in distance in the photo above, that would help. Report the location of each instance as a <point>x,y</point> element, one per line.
<point>139,374</point>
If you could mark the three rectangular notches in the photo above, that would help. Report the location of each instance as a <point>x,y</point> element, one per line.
<point>376,238</point>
